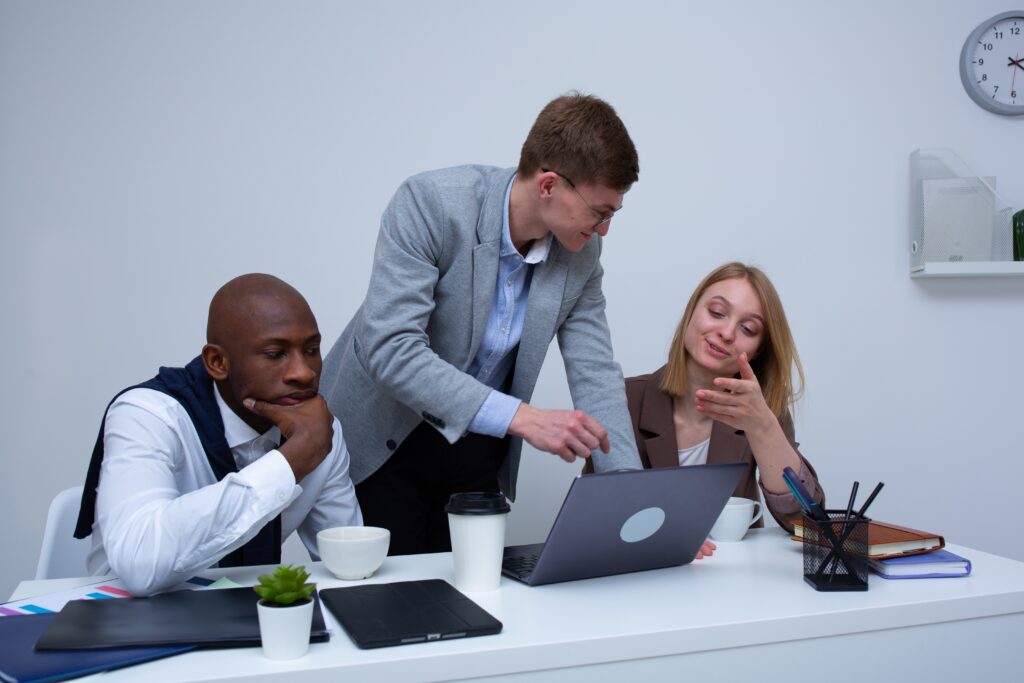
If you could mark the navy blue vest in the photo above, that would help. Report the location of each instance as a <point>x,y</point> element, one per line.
<point>192,387</point>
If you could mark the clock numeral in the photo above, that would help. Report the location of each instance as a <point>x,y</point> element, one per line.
<point>981,62</point>
<point>987,47</point>
<point>1013,94</point>
<point>984,77</point>
<point>1015,31</point>
<point>996,90</point>
<point>999,35</point>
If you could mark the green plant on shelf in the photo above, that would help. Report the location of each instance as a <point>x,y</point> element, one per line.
<point>286,586</point>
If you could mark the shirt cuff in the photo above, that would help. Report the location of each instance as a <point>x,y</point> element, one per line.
<point>272,479</point>
<point>495,415</point>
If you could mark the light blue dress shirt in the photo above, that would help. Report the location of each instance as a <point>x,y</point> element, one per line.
<point>496,355</point>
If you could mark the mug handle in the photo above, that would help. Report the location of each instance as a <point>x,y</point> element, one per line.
<point>760,511</point>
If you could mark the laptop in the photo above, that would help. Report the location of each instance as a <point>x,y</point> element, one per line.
<point>405,612</point>
<point>627,521</point>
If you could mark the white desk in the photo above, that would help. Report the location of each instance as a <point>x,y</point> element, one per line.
<point>744,614</point>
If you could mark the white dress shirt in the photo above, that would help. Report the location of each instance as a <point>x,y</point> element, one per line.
<point>161,514</point>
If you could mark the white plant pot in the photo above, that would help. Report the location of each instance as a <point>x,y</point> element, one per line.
<point>285,631</point>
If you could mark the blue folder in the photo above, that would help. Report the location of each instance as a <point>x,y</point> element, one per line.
<point>938,564</point>
<point>21,663</point>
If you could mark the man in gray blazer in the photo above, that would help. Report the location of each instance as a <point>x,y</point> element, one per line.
<point>476,270</point>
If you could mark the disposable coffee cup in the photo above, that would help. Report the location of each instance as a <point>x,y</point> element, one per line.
<point>476,521</point>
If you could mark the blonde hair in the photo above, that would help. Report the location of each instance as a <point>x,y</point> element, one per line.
<point>775,359</point>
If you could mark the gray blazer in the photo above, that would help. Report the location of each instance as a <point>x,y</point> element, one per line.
<point>403,357</point>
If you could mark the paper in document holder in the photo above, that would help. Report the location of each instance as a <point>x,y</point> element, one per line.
<point>958,218</point>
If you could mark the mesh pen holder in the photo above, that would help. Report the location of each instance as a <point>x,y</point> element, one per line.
<point>836,552</point>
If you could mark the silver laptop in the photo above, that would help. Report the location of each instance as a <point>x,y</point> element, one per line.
<point>627,521</point>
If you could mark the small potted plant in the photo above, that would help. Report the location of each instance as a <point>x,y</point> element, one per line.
<point>285,612</point>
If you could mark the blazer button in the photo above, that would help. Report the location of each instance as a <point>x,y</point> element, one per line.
<point>391,445</point>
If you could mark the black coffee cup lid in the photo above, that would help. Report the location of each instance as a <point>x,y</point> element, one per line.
<point>477,503</point>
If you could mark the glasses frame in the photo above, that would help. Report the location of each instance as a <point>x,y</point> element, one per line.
<point>602,216</point>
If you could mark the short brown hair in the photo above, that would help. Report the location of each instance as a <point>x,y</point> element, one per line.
<point>582,138</point>
<point>774,362</point>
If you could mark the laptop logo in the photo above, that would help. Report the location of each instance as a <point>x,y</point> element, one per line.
<point>642,524</point>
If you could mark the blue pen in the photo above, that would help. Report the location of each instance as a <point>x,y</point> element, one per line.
<point>803,496</point>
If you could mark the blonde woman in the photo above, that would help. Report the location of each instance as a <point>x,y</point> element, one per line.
<point>725,393</point>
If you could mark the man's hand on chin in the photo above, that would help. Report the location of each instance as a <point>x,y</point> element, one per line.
<point>306,424</point>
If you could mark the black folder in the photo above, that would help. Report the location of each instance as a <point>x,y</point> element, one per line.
<point>405,612</point>
<point>210,618</point>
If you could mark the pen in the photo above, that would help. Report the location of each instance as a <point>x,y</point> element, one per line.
<point>846,522</point>
<point>814,512</point>
<point>848,528</point>
<point>871,498</point>
<point>803,496</point>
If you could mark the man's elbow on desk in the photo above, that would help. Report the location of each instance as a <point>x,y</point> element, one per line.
<point>143,564</point>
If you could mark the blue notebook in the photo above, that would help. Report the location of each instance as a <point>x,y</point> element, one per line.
<point>20,663</point>
<point>938,564</point>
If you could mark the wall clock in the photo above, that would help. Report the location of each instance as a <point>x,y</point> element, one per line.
<point>992,64</point>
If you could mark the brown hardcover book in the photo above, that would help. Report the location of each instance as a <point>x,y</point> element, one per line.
<point>890,540</point>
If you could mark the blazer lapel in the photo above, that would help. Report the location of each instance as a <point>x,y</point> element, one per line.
<point>727,444</point>
<point>485,257</point>
<point>485,279</point>
<point>657,426</point>
<point>547,287</point>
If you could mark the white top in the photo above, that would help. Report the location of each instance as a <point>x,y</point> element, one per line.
<point>695,455</point>
<point>161,514</point>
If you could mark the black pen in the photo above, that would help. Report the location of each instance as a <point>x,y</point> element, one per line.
<point>871,498</point>
<point>845,532</point>
<point>860,515</point>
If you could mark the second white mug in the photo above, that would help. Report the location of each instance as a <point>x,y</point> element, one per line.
<point>736,517</point>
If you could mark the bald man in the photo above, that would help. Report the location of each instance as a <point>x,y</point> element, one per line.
<point>190,468</point>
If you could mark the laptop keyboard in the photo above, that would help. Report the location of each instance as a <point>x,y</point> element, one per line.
<point>520,566</point>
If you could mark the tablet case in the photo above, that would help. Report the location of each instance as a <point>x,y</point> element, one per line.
<point>405,612</point>
<point>20,663</point>
<point>210,618</point>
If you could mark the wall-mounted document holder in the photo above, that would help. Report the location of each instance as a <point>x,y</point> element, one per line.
<point>959,225</point>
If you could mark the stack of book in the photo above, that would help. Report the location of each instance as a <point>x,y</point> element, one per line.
<point>897,552</point>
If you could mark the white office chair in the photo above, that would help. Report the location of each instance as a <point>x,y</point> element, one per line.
<point>63,555</point>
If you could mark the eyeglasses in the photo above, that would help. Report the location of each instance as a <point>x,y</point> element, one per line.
<point>603,216</point>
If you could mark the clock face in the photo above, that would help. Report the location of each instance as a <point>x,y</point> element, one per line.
<point>992,64</point>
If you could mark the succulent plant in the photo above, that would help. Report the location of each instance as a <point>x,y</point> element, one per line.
<point>287,585</point>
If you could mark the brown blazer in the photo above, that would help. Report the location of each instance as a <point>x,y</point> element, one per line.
<point>650,411</point>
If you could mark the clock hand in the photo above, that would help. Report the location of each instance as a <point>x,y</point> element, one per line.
<point>1013,81</point>
<point>1016,63</point>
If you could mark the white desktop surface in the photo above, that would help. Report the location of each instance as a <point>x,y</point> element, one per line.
<point>743,612</point>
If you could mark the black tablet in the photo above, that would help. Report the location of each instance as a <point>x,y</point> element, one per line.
<point>405,612</point>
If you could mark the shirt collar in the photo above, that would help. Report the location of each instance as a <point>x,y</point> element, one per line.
<point>236,430</point>
<point>539,249</point>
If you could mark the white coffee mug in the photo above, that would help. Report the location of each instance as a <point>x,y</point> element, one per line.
<point>736,517</point>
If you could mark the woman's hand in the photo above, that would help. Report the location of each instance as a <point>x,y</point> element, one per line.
<point>706,550</point>
<point>740,403</point>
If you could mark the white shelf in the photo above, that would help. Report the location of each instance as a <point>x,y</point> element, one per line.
<point>968,269</point>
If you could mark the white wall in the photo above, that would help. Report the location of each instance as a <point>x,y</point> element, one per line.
<point>151,151</point>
